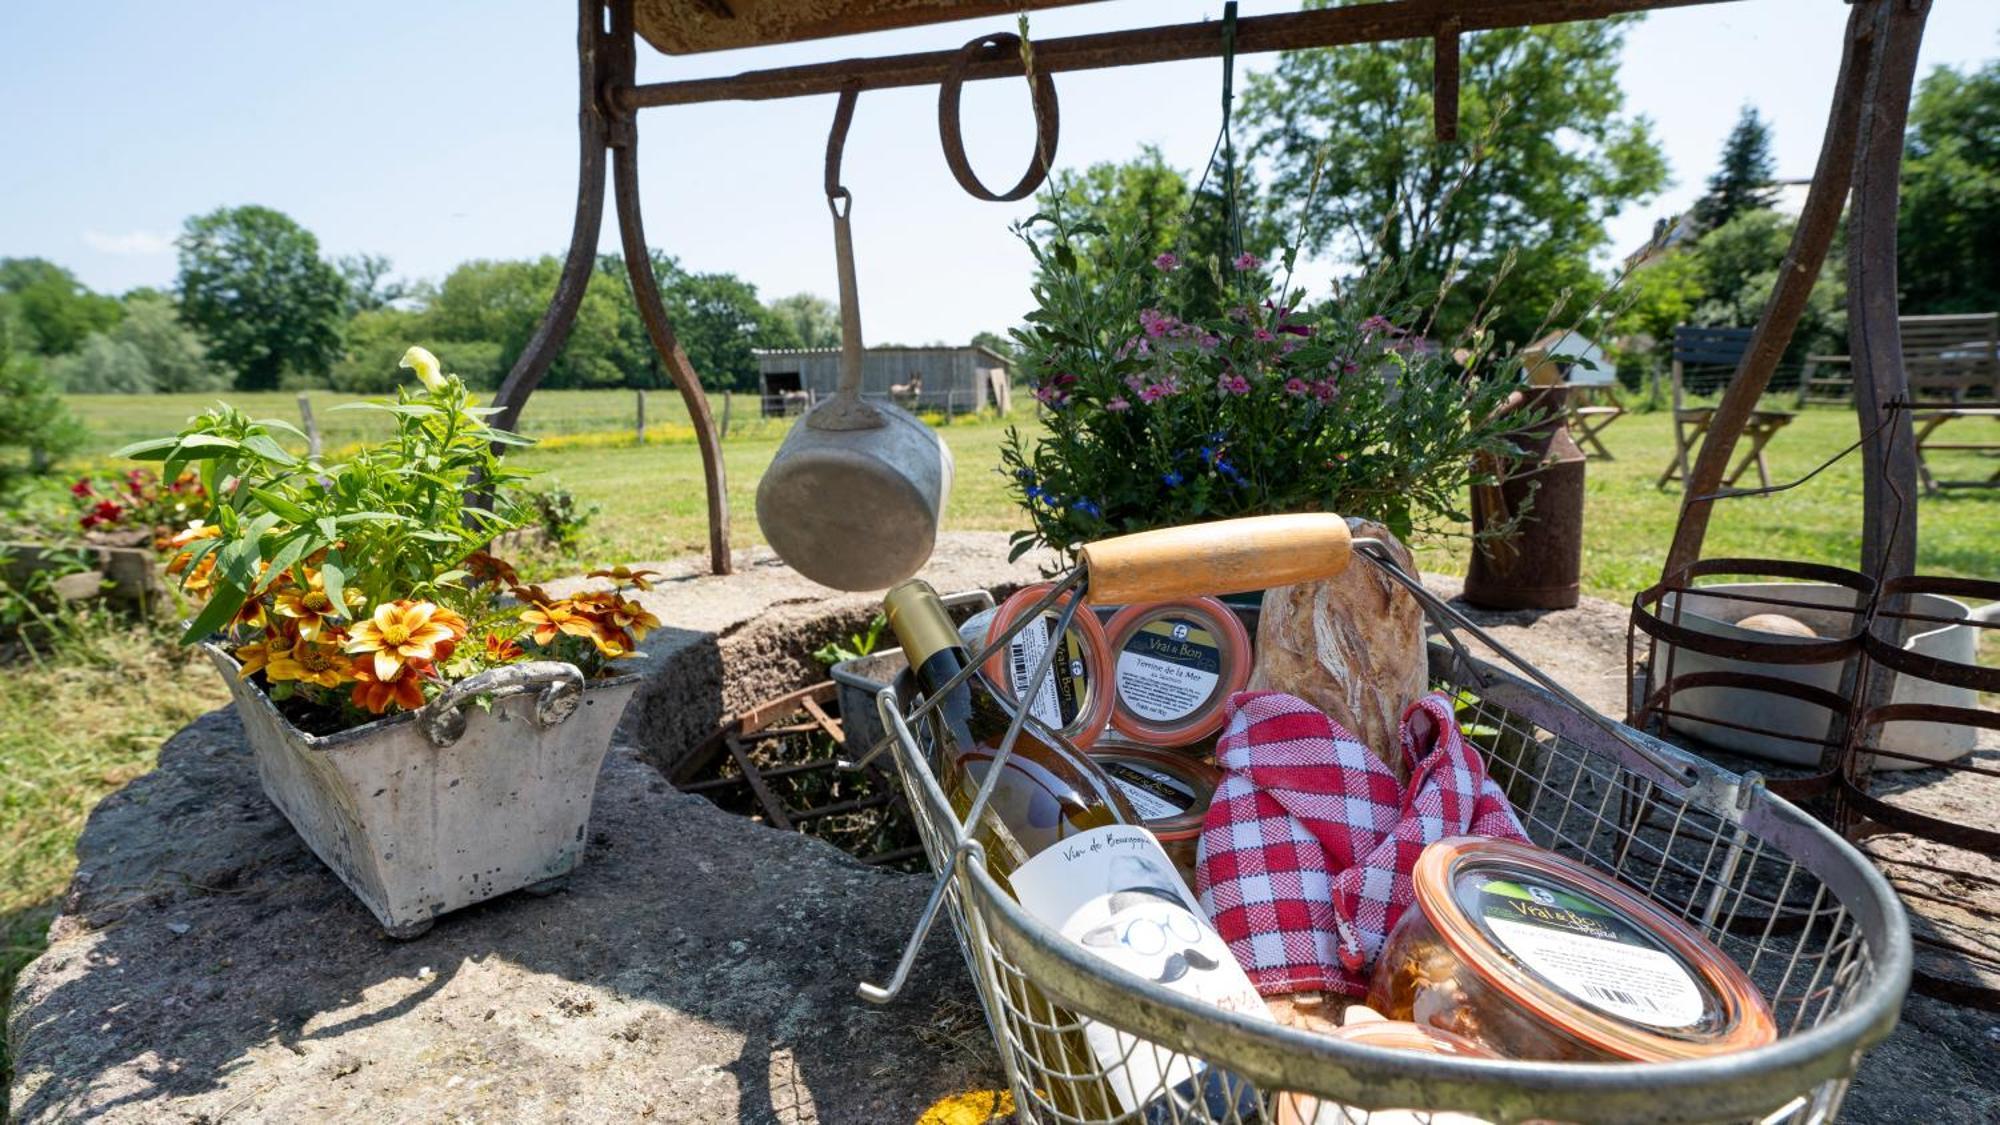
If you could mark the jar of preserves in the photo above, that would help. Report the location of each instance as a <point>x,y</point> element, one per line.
<point>1170,792</point>
<point>1533,956</point>
<point>1176,663</point>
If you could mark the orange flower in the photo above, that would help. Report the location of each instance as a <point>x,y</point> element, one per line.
<point>554,618</point>
<point>486,567</point>
<point>253,656</point>
<point>404,631</point>
<point>620,613</point>
<point>310,606</point>
<point>502,650</point>
<point>193,532</point>
<point>403,689</point>
<point>625,577</point>
<point>310,662</point>
<point>199,581</point>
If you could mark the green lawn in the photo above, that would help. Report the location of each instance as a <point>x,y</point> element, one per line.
<point>116,691</point>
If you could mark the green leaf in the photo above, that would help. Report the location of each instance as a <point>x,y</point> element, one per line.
<point>334,580</point>
<point>266,447</point>
<point>293,549</point>
<point>280,424</point>
<point>371,517</point>
<point>291,512</point>
<point>156,449</point>
<point>328,527</point>
<point>221,607</point>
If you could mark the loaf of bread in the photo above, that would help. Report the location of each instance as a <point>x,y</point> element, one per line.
<point>1351,645</point>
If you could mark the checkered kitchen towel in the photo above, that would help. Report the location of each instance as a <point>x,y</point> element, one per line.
<point>1307,849</point>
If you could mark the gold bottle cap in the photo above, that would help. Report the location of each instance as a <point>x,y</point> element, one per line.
<point>919,621</point>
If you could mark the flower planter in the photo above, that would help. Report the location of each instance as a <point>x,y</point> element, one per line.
<point>426,812</point>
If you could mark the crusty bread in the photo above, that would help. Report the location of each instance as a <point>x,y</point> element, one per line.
<point>1352,646</point>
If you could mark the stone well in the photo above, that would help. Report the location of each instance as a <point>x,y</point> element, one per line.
<point>700,967</point>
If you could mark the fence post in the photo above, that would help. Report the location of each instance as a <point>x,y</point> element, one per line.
<point>641,432</point>
<point>949,395</point>
<point>728,402</point>
<point>311,427</point>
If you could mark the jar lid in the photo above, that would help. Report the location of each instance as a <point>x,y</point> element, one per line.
<point>1169,791</point>
<point>1401,1035</point>
<point>1584,955</point>
<point>1074,700</point>
<point>1176,663</point>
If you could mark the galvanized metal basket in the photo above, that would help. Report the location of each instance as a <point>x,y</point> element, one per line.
<point>1811,921</point>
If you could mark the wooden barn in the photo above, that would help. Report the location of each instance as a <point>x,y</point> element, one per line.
<point>953,380</point>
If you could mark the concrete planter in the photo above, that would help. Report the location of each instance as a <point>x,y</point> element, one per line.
<point>1714,611</point>
<point>421,814</point>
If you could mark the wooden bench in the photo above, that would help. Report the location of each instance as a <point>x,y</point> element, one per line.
<point>1951,357</point>
<point>1712,355</point>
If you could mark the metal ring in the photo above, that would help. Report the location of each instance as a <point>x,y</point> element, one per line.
<point>1048,122</point>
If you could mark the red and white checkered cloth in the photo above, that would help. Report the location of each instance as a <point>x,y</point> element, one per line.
<point>1308,845</point>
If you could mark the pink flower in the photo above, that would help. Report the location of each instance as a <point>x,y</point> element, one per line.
<point>1263,336</point>
<point>1208,343</point>
<point>1052,396</point>
<point>1240,314</point>
<point>1326,390</point>
<point>1117,405</point>
<point>1136,382</point>
<point>1162,389</point>
<point>1167,262</point>
<point>1246,261</point>
<point>1231,383</point>
<point>1376,325</point>
<point>1156,323</point>
<point>1296,386</point>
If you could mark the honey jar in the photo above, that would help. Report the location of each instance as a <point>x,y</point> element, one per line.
<point>1533,956</point>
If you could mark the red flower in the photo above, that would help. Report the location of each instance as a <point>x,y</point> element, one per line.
<point>82,487</point>
<point>105,512</point>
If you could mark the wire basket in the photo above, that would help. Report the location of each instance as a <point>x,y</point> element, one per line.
<point>1811,921</point>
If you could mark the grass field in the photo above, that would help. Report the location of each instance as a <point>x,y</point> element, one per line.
<point>91,714</point>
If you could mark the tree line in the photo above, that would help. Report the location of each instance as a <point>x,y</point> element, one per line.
<point>1513,213</point>
<point>257,306</point>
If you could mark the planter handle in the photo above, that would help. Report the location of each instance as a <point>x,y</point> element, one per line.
<point>443,719</point>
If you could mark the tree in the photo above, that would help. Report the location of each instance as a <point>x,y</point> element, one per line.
<point>1655,298</point>
<point>502,303</point>
<point>149,351</point>
<point>253,284</point>
<point>369,285</point>
<point>1745,180</point>
<point>810,317</point>
<point>1737,265</point>
<point>1546,155</point>
<point>56,311</point>
<point>103,366</point>
<point>33,418</point>
<point>1949,223</point>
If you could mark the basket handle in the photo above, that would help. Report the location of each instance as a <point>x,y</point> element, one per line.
<point>443,719</point>
<point>1223,557</point>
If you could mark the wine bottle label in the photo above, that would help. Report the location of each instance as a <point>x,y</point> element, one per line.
<point>1168,669</point>
<point>1061,695</point>
<point>1113,891</point>
<point>1591,952</point>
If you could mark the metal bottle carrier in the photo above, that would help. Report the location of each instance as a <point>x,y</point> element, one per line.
<point>1809,919</point>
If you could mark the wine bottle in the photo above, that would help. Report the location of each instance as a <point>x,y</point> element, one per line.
<point>1061,837</point>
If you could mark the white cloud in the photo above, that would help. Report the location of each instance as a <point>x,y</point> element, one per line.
<point>135,243</point>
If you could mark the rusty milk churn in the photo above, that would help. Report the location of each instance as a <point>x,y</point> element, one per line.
<point>1537,565</point>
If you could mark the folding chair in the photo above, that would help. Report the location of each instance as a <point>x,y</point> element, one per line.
<point>1592,409</point>
<point>1713,354</point>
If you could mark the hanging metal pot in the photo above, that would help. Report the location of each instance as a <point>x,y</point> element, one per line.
<point>855,496</point>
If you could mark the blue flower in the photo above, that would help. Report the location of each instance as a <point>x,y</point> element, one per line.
<point>1025,475</point>
<point>1171,479</point>
<point>1087,507</point>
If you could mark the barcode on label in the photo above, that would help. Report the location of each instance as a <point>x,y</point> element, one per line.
<point>1020,658</point>
<point>1615,996</point>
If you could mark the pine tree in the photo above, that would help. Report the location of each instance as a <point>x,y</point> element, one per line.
<point>1746,181</point>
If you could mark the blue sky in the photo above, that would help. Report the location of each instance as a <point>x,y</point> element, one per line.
<point>435,131</point>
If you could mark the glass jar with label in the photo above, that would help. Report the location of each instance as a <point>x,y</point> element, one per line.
<point>1533,956</point>
<point>1169,791</point>
<point>1074,699</point>
<point>1175,664</point>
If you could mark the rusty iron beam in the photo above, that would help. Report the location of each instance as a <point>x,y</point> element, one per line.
<point>581,262</point>
<point>1365,23</point>
<point>624,141</point>
<point>1444,80</point>
<point>1811,238</point>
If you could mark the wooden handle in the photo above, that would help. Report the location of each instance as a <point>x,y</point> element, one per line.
<point>1225,557</point>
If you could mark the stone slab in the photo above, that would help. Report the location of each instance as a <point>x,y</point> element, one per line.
<point>698,968</point>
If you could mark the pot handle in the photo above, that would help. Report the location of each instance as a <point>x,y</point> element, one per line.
<point>443,719</point>
<point>845,410</point>
<point>1222,557</point>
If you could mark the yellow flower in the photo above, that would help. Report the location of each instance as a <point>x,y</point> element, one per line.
<point>404,689</point>
<point>620,613</point>
<point>625,576</point>
<point>253,656</point>
<point>404,631</point>
<point>310,606</point>
<point>551,618</point>
<point>426,366</point>
<point>311,663</point>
